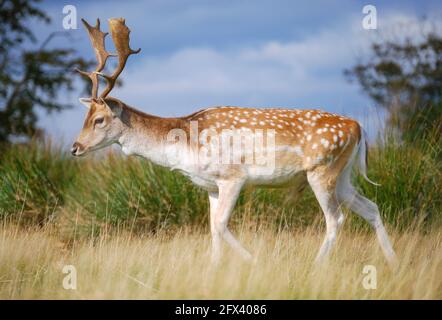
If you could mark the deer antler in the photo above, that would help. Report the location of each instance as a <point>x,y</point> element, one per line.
<point>98,43</point>
<point>120,36</point>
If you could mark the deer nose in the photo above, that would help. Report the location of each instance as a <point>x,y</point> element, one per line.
<point>75,148</point>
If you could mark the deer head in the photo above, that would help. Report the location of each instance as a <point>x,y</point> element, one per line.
<point>103,124</point>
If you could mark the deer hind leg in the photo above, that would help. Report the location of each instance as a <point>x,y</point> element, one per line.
<point>326,196</point>
<point>367,209</point>
<point>224,202</point>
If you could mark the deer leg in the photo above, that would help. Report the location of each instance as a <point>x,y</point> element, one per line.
<point>368,210</point>
<point>227,196</point>
<point>216,238</point>
<point>333,215</point>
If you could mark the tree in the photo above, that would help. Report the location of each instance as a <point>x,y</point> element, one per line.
<point>30,78</point>
<point>405,77</point>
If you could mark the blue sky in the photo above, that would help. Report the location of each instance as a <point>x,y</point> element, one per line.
<point>197,54</point>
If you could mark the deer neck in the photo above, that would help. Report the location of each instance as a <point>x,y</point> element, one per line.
<point>146,135</point>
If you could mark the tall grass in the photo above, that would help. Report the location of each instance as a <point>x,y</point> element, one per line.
<point>33,181</point>
<point>164,266</point>
<point>111,217</point>
<point>40,183</point>
<point>410,175</point>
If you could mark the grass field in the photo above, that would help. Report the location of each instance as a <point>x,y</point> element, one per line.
<point>133,230</point>
<point>165,266</point>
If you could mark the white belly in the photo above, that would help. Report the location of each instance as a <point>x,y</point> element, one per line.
<point>207,177</point>
<point>280,176</point>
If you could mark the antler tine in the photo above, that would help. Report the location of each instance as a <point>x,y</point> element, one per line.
<point>120,36</point>
<point>98,43</point>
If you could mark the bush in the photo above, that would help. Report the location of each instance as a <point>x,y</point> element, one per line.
<point>411,180</point>
<point>33,181</point>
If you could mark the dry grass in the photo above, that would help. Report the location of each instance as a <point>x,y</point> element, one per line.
<point>164,266</point>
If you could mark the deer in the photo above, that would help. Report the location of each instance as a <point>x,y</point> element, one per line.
<point>311,147</point>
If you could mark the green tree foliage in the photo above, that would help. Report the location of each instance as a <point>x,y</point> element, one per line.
<point>405,77</point>
<point>30,78</point>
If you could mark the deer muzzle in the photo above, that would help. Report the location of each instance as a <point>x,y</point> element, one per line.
<point>77,149</point>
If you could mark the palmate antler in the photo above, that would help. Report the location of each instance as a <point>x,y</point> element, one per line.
<point>120,36</point>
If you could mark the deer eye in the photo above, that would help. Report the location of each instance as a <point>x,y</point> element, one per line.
<point>99,120</point>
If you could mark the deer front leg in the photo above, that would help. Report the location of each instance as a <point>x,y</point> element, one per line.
<point>216,238</point>
<point>221,208</point>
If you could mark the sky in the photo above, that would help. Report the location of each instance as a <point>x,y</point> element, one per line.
<point>197,54</point>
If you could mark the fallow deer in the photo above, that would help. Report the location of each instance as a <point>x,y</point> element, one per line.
<point>309,145</point>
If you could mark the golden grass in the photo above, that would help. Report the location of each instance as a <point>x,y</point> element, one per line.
<point>164,266</point>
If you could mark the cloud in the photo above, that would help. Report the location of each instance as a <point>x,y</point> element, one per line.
<point>304,71</point>
<point>273,72</point>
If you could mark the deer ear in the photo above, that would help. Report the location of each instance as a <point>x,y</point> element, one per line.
<point>115,105</point>
<point>86,102</point>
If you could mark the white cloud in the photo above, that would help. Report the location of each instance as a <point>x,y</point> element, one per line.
<point>302,73</point>
<point>273,72</point>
